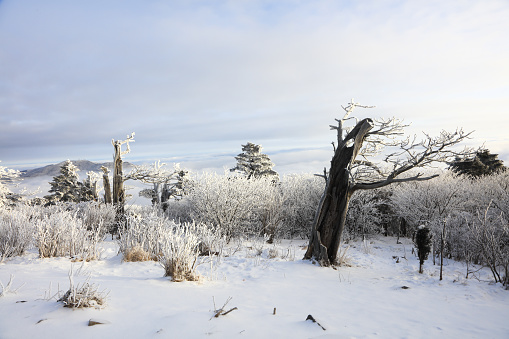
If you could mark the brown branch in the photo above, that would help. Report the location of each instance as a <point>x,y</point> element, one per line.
<point>388,181</point>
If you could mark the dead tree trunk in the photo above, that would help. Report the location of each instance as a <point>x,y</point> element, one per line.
<point>330,219</point>
<point>107,187</point>
<point>118,182</point>
<point>118,179</point>
<point>347,174</point>
<point>165,196</point>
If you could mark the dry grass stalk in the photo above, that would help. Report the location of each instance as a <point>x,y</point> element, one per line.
<point>343,259</point>
<point>137,253</point>
<point>82,295</point>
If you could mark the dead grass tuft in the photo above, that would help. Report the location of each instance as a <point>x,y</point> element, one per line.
<point>137,253</point>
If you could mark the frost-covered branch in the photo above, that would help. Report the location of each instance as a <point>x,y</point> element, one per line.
<point>119,143</point>
<point>410,154</point>
<point>340,127</point>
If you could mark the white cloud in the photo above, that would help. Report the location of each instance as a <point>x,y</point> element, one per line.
<point>202,77</point>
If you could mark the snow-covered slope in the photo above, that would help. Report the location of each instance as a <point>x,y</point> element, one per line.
<point>364,300</point>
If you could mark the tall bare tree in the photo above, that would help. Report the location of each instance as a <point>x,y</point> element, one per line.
<point>348,174</point>
<point>118,176</point>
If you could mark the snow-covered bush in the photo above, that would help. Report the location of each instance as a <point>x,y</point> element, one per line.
<point>140,239</point>
<point>180,247</point>
<point>145,235</point>
<point>472,210</point>
<point>433,202</point>
<point>229,203</point>
<point>489,239</point>
<point>301,195</point>
<point>177,246</point>
<point>82,295</point>
<point>96,215</point>
<point>61,233</point>
<point>239,206</point>
<point>364,216</point>
<point>430,201</point>
<point>180,210</point>
<point>15,232</point>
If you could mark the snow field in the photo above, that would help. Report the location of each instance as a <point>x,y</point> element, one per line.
<point>364,300</point>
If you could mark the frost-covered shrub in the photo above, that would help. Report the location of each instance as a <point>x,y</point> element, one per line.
<point>177,246</point>
<point>238,206</point>
<point>455,201</point>
<point>180,210</point>
<point>96,214</point>
<point>140,239</point>
<point>364,215</point>
<point>301,195</point>
<point>15,233</point>
<point>62,233</point>
<point>489,239</point>
<point>181,249</point>
<point>82,295</point>
<point>430,201</point>
<point>227,202</point>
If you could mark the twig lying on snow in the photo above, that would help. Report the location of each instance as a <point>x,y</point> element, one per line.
<point>221,311</point>
<point>310,317</point>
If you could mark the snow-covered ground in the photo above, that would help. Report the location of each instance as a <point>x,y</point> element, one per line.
<point>365,300</point>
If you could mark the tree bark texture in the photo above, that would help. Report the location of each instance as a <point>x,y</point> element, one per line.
<point>107,186</point>
<point>330,218</point>
<point>118,183</point>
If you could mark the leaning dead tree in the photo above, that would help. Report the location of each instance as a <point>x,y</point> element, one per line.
<point>351,170</point>
<point>118,176</point>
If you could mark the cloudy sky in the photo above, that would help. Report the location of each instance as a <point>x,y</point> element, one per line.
<point>196,79</point>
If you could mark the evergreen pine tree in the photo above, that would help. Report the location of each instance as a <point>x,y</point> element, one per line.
<point>253,163</point>
<point>7,176</point>
<point>66,187</point>
<point>483,163</point>
<point>423,243</point>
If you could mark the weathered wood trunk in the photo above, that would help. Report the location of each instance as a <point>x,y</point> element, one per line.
<point>165,196</point>
<point>330,218</point>
<point>107,186</point>
<point>118,185</point>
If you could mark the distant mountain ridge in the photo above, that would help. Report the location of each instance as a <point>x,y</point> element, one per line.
<point>83,165</point>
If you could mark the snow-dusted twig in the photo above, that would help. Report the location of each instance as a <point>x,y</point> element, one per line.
<point>7,289</point>
<point>221,311</point>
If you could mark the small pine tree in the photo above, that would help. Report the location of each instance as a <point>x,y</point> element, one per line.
<point>66,187</point>
<point>253,163</point>
<point>423,242</point>
<point>483,163</point>
<point>7,176</point>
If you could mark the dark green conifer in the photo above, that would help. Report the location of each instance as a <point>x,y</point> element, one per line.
<point>483,163</point>
<point>423,243</point>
